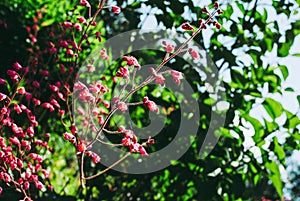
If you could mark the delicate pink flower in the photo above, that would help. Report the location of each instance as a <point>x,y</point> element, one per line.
<point>168,47</point>
<point>103,54</point>
<point>81,19</point>
<point>132,61</point>
<point>45,73</point>
<point>39,185</point>
<point>145,99</point>
<point>21,90</point>
<point>195,55</point>
<point>220,12</point>
<point>106,104</point>
<point>79,86</point>
<point>142,151</point>
<point>70,52</point>
<point>203,26</point>
<point>17,66</point>
<point>68,24</point>
<point>3,110</point>
<point>53,88</point>
<point>216,5</point>
<point>124,72</point>
<point>26,185</point>
<point>78,27</point>
<point>186,26</point>
<point>90,68</point>
<point>15,141</point>
<point>55,103</point>
<point>159,79</point>
<point>204,10</point>
<point>68,136</point>
<point>98,36</point>
<point>218,25</point>
<point>116,9</point>
<point>17,108</point>
<point>122,106</point>
<point>36,84</point>
<point>2,81</point>
<point>177,76</point>
<point>2,96</point>
<point>36,101</point>
<point>151,106</point>
<point>85,3</point>
<point>81,147</point>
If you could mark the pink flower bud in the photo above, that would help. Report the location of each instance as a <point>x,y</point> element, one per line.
<point>218,25</point>
<point>122,106</point>
<point>21,90</point>
<point>116,9</point>
<point>186,26</point>
<point>142,151</point>
<point>85,3</point>
<point>177,76</point>
<point>2,96</point>
<point>132,61</point>
<point>216,5</point>
<point>17,66</point>
<point>204,10</point>
<point>81,19</point>
<point>68,24</point>
<point>103,54</point>
<point>159,79</point>
<point>78,27</point>
<point>17,108</point>
<point>195,55</point>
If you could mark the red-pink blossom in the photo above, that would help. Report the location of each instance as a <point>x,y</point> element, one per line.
<point>132,61</point>
<point>17,66</point>
<point>68,24</point>
<point>103,54</point>
<point>78,27</point>
<point>116,9</point>
<point>2,96</point>
<point>122,106</point>
<point>151,106</point>
<point>17,108</point>
<point>21,90</point>
<point>142,151</point>
<point>186,26</point>
<point>81,19</point>
<point>177,76</point>
<point>123,72</point>
<point>195,55</point>
<point>85,3</point>
<point>159,79</point>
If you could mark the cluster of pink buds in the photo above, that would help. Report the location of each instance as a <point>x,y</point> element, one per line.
<point>151,105</point>
<point>168,47</point>
<point>132,61</point>
<point>202,24</point>
<point>130,140</point>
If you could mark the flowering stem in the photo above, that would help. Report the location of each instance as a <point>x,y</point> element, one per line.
<point>108,168</point>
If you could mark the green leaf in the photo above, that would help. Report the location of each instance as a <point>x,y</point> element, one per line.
<point>298,98</point>
<point>273,107</point>
<point>289,89</point>
<point>296,55</point>
<point>258,128</point>
<point>284,70</point>
<point>284,49</point>
<point>278,150</point>
<point>275,177</point>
